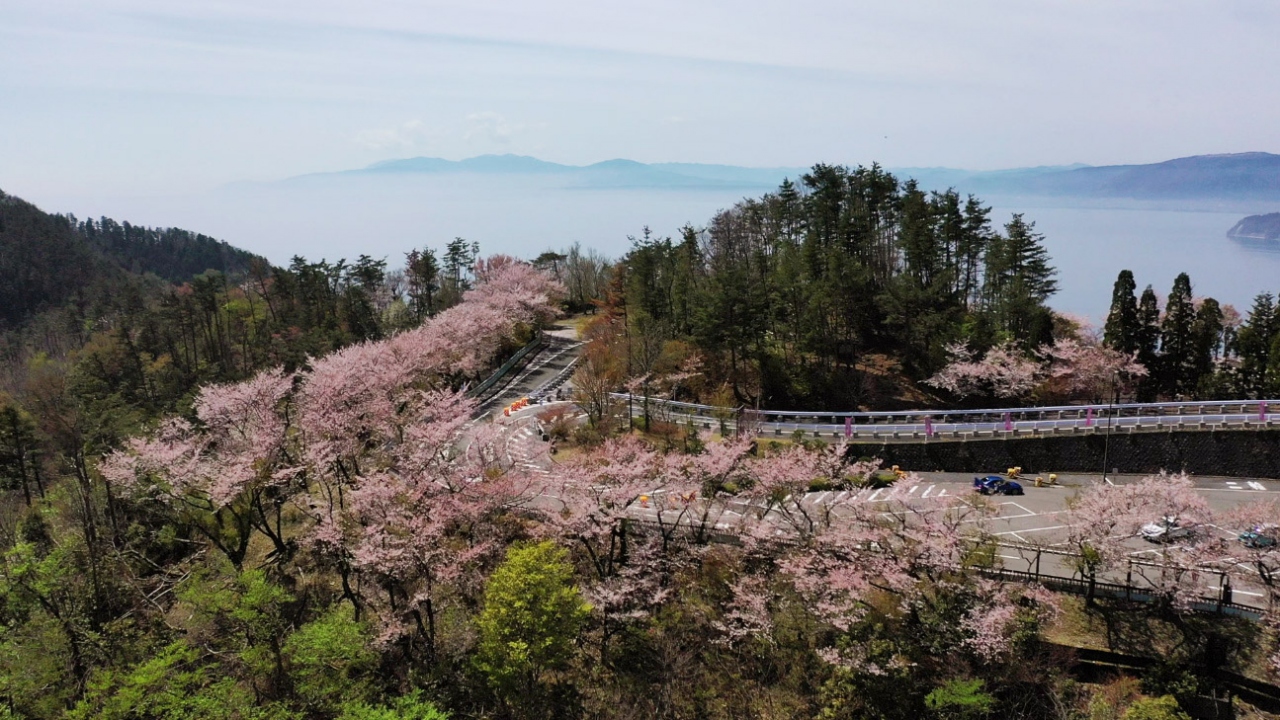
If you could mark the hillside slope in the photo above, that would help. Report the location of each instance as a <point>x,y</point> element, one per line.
<point>49,260</point>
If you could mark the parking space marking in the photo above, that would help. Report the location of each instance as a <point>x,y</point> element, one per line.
<point>1021,507</point>
<point>1031,530</point>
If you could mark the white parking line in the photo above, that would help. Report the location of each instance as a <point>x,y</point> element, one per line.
<point>926,492</point>
<point>1031,530</point>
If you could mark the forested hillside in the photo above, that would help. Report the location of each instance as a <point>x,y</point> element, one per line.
<point>47,261</point>
<point>792,297</point>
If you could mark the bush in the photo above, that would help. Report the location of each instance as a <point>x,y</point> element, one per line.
<point>1164,707</point>
<point>409,707</point>
<point>960,699</point>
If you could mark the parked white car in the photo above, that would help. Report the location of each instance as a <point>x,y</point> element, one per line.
<point>1166,529</point>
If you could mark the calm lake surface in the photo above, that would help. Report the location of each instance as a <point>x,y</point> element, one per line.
<point>383,217</point>
<point>1090,246</point>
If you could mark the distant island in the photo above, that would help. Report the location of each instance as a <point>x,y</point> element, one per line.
<point>1257,227</point>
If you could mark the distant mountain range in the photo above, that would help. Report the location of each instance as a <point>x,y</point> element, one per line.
<point>608,174</point>
<point>1241,176</point>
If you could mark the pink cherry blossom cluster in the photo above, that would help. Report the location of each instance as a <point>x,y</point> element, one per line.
<point>1002,372</point>
<point>364,446</point>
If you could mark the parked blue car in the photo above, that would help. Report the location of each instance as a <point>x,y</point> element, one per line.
<point>996,485</point>
<point>1262,536</point>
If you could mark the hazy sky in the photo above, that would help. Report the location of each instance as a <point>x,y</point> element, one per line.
<point>150,96</point>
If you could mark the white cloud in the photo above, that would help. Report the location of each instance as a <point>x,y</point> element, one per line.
<point>408,136</point>
<point>490,128</point>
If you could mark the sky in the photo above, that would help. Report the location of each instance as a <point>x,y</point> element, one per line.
<point>154,97</point>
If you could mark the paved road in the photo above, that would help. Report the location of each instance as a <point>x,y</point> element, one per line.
<point>551,363</point>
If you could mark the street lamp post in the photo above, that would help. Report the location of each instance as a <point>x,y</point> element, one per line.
<point>1106,443</point>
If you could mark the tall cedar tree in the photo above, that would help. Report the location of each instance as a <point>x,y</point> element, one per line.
<point>1123,326</point>
<point>1177,339</point>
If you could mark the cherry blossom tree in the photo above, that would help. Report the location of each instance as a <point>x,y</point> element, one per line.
<point>1088,370</point>
<point>908,558</point>
<point>1002,372</point>
<point>597,491</point>
<point>781,482</point>
<point>227,476</point>
<point>1260,555</point>
<point>1104,520</point>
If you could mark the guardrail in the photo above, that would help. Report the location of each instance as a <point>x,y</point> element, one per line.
<point>923,425</point>
<point>537,342</point>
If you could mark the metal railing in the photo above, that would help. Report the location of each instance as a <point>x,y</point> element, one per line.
<point>534,344</point>
<point>944,424</point>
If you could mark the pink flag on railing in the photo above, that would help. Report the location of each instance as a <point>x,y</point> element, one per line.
<point>1088,418</point>
<point>1008,422</point>
<point>928,426</point>
<point>848,427</point>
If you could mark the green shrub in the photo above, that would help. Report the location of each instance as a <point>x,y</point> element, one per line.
<point>1164,707</point>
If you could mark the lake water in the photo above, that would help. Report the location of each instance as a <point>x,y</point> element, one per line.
<point>1090,246</point>
<point>385,218</point>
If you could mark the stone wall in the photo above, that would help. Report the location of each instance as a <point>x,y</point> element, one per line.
<point>1230,453</point>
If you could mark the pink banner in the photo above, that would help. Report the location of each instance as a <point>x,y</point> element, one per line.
<point>848,427</point>
<point>1088,418</point>
<point>1008,422</point>
<point>928,427</point>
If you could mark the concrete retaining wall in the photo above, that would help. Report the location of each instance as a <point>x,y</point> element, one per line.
<point>1230,453</point>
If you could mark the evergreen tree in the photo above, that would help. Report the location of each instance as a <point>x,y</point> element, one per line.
<point>1254,344</point>
<point>975,238</point>
<point>422,271</point>
<point>1149,344</point>
<point>1207,342</point>
<point>1123,327</point>
<point>1018,281</point>
<point>1177,339</point>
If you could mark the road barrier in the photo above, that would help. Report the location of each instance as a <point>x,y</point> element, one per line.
<point>478,391</point>
<point>959,425</point>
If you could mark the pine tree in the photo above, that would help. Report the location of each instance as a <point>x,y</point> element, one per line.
<point>1123,327</point>
<point>422,271</point>
<point>973,246</point>
<point>1018,281</point>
